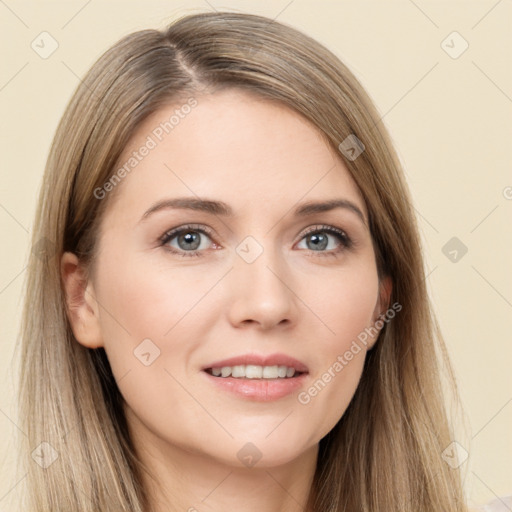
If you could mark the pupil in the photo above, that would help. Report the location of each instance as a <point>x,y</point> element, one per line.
<point>191,238</point>
<point>320,241</point>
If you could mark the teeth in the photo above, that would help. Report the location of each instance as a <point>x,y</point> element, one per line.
<point>270,372</point>
<point>252,371</point>
<point>238,371</point>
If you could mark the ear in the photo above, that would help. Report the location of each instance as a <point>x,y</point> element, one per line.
<point>385,288</point>
<point>81,305</point>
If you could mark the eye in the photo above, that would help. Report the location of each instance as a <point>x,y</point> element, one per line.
<point>189,240</point>
<point>319,238</point>
<point>192,240</point>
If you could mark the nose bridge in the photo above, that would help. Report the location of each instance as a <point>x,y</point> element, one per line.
<point>261,284</point>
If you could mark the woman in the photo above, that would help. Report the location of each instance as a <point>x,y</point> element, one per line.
<point>229,310</point>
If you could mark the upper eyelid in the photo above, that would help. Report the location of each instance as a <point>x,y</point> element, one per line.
<point>190,227</point>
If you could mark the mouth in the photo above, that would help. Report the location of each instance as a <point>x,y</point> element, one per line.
<point>257,366</point>
<point>256,377</point>
<point>252,371</point>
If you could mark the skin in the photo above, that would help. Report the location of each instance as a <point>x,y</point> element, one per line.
<point>263,160</point>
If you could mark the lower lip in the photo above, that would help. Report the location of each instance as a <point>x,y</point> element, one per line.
<point>261,390</point>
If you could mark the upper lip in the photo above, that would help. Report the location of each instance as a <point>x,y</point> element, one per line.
<point>260,360</point>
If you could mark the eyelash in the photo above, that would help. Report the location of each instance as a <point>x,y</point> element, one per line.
<point>345,242</point>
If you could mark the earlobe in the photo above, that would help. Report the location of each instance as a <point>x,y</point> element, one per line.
<point>81,306</point>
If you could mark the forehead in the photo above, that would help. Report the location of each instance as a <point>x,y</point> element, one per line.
<point>235,146</point>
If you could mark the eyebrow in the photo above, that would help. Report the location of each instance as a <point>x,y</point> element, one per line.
<point>223,209</point>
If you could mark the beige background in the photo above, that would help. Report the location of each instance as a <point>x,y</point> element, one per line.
<point>450,118</point>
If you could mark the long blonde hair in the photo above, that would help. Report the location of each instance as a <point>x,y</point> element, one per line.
<point>385,453</point>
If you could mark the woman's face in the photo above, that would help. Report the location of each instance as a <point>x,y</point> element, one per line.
<point>250,286</point>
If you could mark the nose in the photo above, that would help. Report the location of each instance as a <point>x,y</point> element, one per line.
<point>261,293</point>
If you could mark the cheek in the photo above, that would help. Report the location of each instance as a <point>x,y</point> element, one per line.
<point>150,320</point>
<point>345,304</point>
<point>347,309</point>
<point>140,301</point>
<point>154,317</point>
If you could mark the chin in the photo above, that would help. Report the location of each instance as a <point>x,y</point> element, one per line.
<point>261,452</point>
